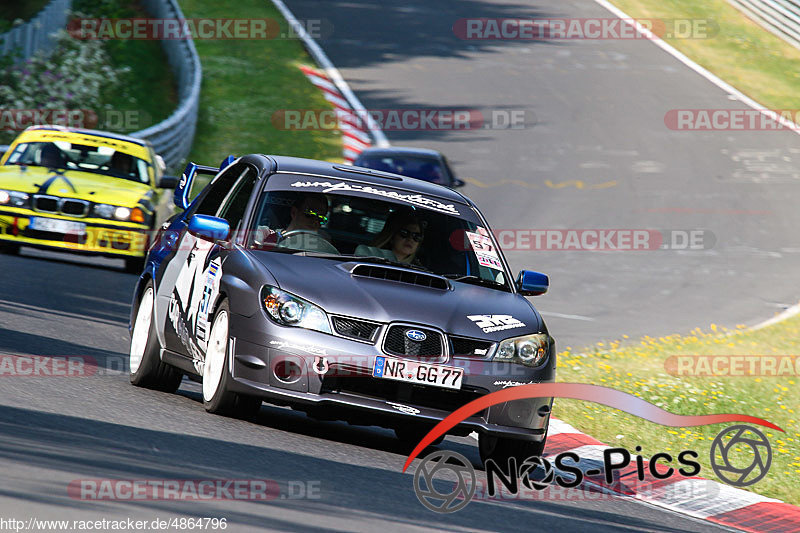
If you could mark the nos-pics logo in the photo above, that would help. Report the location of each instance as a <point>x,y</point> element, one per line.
<point>740,456</point>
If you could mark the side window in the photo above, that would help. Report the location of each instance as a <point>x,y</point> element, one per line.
<point>217,191</point>
<point>236,203</point>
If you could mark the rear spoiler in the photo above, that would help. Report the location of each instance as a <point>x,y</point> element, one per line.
<point>184,188</point>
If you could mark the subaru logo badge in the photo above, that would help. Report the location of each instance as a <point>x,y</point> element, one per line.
<point>416,335</point>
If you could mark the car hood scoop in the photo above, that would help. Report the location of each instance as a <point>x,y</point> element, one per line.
<point>400,275</point>
<point>384,293</point>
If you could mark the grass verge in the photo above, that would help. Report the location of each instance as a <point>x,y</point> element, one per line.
<point>643,370</point>
<point>758,63</point>
<point>245,82</point>
<point>146,84</point>
<point>24,11</point>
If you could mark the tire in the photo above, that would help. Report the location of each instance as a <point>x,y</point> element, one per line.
<point>500,450</point>
<point>217,399</point>
<point>146,368</point>
<point>9,248</point>
<point>411,434</point>
<point>134,265</point>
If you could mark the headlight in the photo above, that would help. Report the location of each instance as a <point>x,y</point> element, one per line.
<point>289,310</point>
<point>14,198</point>
<point>122,213</point>
<point>113,212</point>
<point>529,350</point>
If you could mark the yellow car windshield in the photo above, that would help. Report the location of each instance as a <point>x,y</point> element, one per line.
<point>73,156</point>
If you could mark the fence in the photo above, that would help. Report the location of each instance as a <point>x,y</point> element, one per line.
<point>173,137</point>
<point>781,17</point>
<point>36,34</point>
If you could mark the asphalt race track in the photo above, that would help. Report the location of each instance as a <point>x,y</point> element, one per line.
<point>598,109</point>
<point>595,114</point>
<point>95,425</point>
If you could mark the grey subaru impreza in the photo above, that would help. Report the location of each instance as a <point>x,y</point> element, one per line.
<point>344,292</point>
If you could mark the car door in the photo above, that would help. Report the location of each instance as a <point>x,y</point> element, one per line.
<point>190,281</point>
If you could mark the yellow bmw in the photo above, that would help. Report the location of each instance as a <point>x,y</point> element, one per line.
<point>82,191</point>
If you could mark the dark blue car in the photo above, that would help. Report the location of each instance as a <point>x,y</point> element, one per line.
<point>344,292</point>
<point>421,163</point>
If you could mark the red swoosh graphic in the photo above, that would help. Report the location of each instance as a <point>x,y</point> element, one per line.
<point>580,391</point>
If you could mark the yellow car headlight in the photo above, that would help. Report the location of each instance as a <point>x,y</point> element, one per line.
<point>14,198</point>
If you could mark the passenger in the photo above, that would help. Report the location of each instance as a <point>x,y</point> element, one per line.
<point>401,235</point>
<point>121,163</point>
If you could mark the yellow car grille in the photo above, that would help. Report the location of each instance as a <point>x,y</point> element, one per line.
<point>71,207</point>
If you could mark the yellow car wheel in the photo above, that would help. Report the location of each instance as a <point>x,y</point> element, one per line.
<point>9,248</point>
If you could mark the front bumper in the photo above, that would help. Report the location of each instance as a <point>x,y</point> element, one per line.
<point>102,237</point>
<point>347,390</point>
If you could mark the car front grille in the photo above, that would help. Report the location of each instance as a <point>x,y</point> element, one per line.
<point>397,342</point>
<point>406,393</point>
<point>465,347</point>
<point>74,208</point>
<point>71,207</point>
<point>47,204</point>
<point>356,329</point>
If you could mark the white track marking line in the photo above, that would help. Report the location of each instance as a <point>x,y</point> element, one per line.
<point>562,315</point>
<point>333,73</point>
<point>732,91</point>
<point>788,313</point>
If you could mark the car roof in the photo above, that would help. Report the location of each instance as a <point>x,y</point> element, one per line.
<point>364,175</point>
<point>96,133</point>
<point>402,150</point>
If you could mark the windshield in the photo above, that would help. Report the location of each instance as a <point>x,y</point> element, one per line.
<point>344,220</point>
<point>72,156</point>
<point>420,167</point>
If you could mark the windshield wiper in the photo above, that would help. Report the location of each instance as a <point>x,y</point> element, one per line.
<point>364,258</point>
<point>476,280</point>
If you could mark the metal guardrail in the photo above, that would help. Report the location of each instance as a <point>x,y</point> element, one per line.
<point>781,17</point>
<point>172,138</point>
<point>36,35</point>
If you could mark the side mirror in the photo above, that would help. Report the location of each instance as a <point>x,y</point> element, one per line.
<point>457,183</point>
<point>209,228</point>
<point>168,182</point>
<point>184,187</point>
<point>530,283</point>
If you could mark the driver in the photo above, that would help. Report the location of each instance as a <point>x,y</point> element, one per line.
<point>50,156</point>
<point>309,212</point>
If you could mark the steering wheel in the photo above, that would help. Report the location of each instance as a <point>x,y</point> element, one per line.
<point>323,245</point>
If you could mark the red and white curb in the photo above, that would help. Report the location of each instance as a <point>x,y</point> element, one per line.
<point>357,134</point>
<point>355,138</point>
<point>696,496</point>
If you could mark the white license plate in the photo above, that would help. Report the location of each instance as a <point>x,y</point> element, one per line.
<point>421,373</point>
<point>57,226</point>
